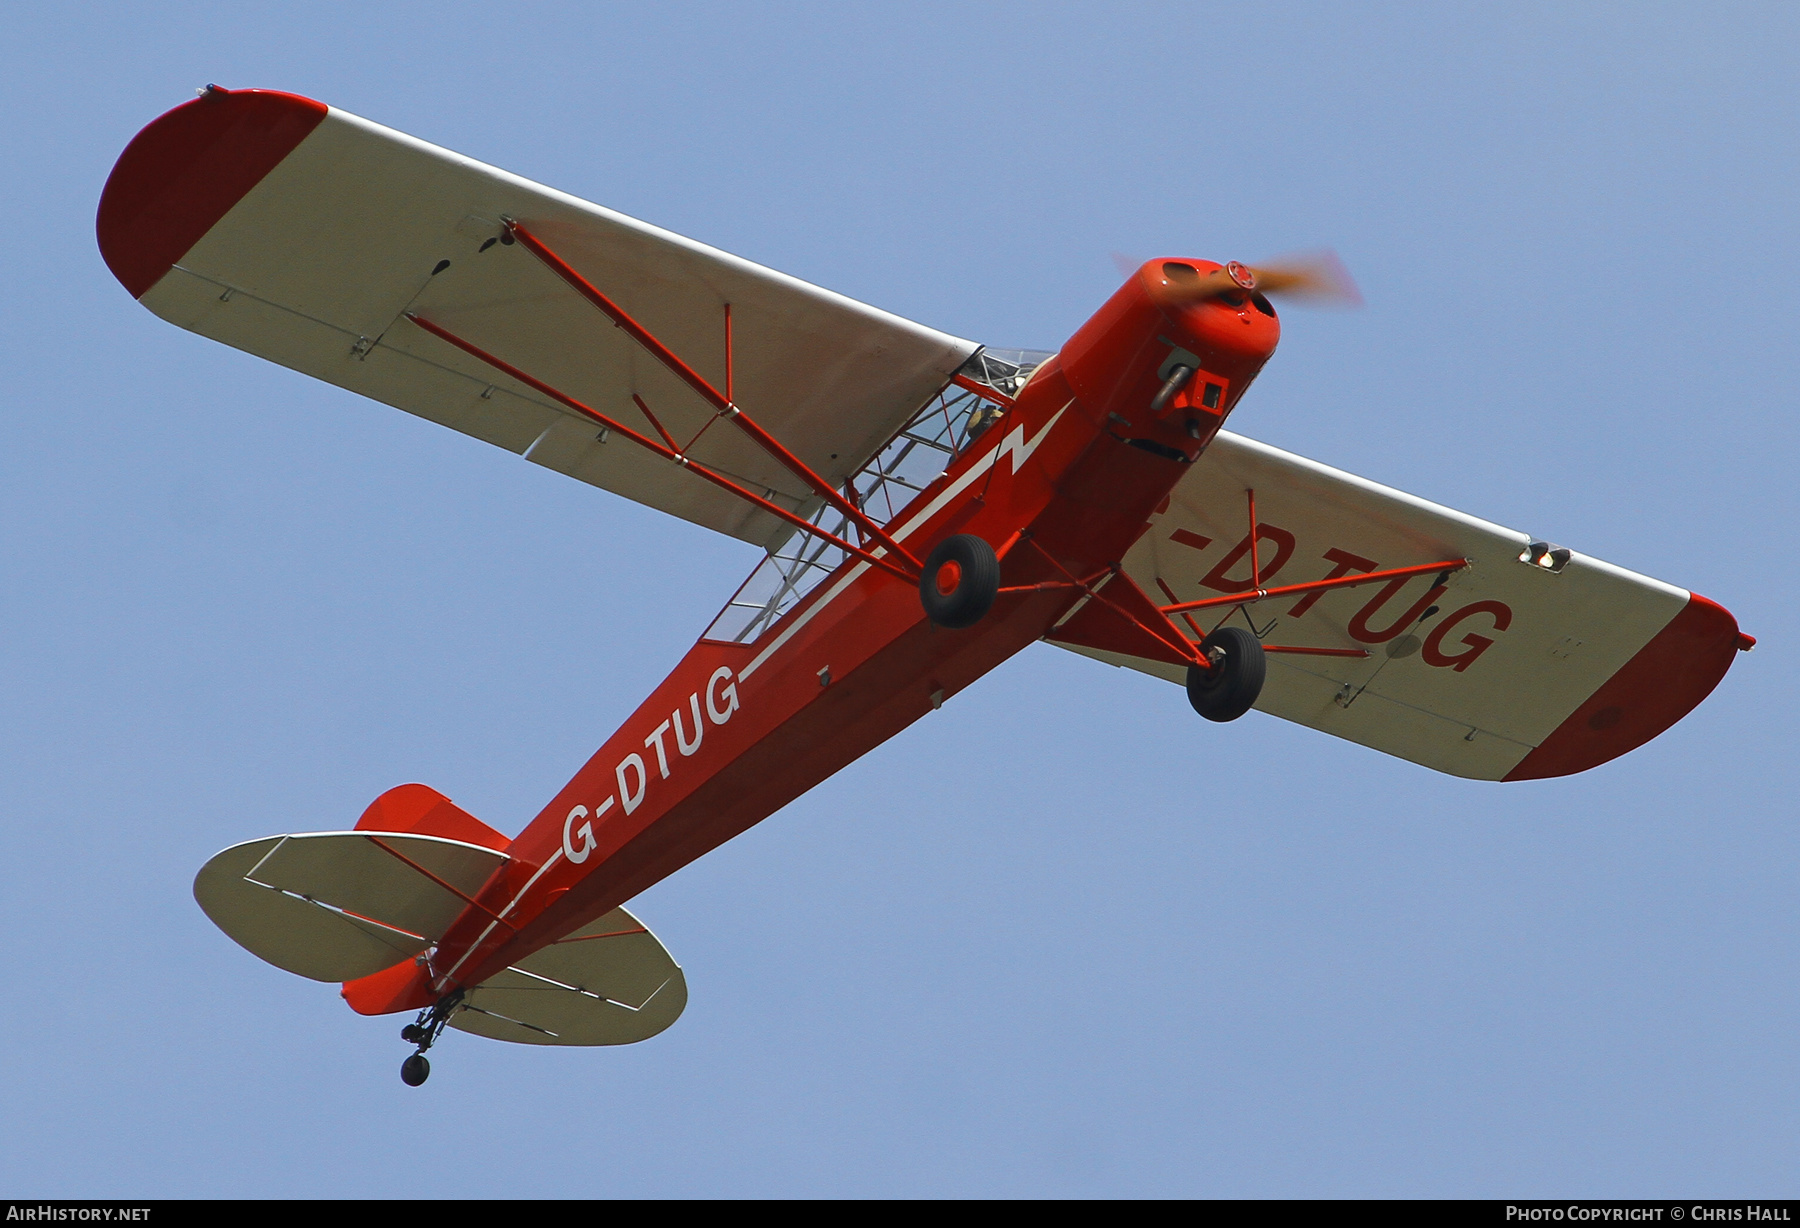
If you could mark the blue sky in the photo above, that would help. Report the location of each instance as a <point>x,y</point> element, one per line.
<point>1061,938</point>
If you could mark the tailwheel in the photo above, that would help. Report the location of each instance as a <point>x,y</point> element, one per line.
<point>415,1070</point>
<point>962,577</point>
<point>1229,688</point>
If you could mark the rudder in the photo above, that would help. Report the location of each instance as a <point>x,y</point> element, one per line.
<point>424,811</point>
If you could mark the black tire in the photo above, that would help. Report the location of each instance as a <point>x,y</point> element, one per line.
<point>1229,689</point>
<point>967,567</point>
<point>412,1034</point>
<point>415,1070</point>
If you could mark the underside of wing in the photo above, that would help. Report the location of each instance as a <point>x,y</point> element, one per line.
<point>305,235</point>
<point>1529,661</point>
<point>609,983</point>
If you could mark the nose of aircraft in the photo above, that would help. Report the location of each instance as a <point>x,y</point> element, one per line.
<point>1220,308</point>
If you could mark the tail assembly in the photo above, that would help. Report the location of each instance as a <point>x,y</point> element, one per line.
<point>367,907</point>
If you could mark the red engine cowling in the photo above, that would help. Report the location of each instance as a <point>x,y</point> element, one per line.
<point>1123,356</point>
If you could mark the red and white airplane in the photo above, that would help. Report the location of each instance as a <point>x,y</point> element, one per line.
<point>928,508</point>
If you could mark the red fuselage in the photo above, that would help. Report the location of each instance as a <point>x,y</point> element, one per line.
<point>1061,486</point>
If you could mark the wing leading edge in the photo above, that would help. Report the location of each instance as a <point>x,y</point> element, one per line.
<point>302,233</point>
<point>1505,670</point>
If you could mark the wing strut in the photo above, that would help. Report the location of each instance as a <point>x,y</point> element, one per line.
<point>1168,634</point>
<point>668,453</point>
<point>1314,586</point>
<point>720,401</point>
<point>1256,592</point>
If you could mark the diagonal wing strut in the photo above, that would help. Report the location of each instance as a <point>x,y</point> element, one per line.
<point>721,402</point>
<point>1256,592</point>
<point>1316,586</point>
<point>667,453</point>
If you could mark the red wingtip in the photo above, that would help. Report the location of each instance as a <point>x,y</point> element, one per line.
<point>187,169</point>
<point>1665,681</point>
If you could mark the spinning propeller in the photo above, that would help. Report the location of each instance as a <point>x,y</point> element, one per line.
<point>1316,277</point>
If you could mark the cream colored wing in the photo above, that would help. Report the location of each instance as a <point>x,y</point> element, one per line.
<point>302,234</point>
<point>1510,669</point>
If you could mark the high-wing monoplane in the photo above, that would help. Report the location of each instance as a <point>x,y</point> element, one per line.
<point>927,507</point>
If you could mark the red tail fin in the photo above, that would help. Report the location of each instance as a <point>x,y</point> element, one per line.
<point>404,987</point>
<point>426,812</point>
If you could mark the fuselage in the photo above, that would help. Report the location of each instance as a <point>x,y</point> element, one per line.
<point>1061,486</point>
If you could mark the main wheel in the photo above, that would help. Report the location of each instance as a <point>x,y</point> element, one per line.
<point>962,575</point>
<point>415,1070</point>
<point>1227,690</point>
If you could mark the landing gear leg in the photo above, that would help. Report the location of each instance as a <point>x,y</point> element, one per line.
<point>424,1032</point>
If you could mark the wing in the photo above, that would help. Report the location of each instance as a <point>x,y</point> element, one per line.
<point>1505,670</point>
<point>301,233</point>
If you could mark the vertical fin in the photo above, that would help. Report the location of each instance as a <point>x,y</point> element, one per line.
<point>424,811</point>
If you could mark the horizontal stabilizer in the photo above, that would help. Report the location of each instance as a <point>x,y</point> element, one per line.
<point>608,983</point>
<point>336,906</point>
